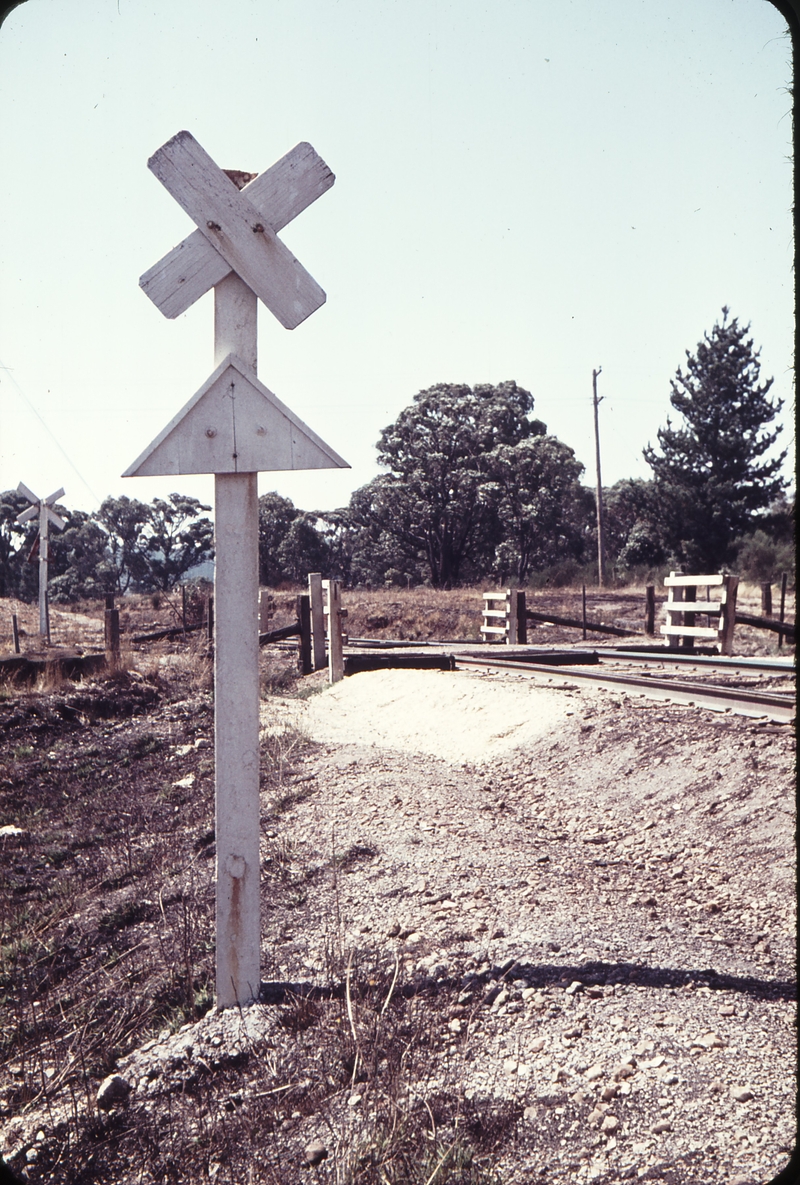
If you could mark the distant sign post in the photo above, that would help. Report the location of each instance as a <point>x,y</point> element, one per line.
<point>234,427</point>
<point>42,509</point>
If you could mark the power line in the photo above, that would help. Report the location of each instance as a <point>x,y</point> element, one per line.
<point>49,432</point>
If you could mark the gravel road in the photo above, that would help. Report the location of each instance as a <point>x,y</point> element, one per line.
<point>634,861</point>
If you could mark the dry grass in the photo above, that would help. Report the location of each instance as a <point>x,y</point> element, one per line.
<point>107,940</point>
<point>416,614</point>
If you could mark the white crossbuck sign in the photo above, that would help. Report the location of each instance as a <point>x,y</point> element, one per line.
<point>237,231</point>
<point>234,424</point>
<point>234,427</point>
<point>42,508</point>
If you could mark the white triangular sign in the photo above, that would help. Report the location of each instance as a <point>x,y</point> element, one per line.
<point>234,424</point>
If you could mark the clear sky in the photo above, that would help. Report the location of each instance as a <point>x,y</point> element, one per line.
<point>526,189</point>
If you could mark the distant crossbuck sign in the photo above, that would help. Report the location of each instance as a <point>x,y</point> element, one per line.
<point>42,508</point>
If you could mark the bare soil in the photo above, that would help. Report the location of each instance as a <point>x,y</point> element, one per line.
<point>571,960</point>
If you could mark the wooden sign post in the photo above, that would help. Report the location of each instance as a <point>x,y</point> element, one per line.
<point>234,427</point>
<point>42,508</point>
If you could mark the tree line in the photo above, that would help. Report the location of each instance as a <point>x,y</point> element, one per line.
<point>474,487</point>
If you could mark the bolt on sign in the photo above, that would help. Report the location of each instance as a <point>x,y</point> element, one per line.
<point>235,427</point>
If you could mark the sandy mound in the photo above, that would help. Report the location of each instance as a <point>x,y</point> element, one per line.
<point>459,716</point>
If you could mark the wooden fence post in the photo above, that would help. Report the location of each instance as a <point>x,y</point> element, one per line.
<point>730,585</point>
<point>522,618</point>
<point>335,613</point>
<point>766,599</point>
<point>304,646</point>
<point>512,633</point>
<point>317,619</point>
<point>266,606</point>
<point>583,609</point>
<point>112,637</point>
<point>210,619</point>
<point>15,632</point>
<point>674,594</point>
<point>689,619</point>
<point>650,609</point>
<point>783,607</point>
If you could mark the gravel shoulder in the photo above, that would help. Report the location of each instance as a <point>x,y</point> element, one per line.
<point>635,861</point>
<point>581,906</point>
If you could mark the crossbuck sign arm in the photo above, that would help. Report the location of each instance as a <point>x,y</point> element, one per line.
<point>237,229</point>
<point>194,267</point>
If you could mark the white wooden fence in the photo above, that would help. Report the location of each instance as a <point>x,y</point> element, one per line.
<point>683,607</point>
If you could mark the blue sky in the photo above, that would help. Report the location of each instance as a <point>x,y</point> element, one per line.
<point>525,190</point>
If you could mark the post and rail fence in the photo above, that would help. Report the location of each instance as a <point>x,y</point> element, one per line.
<point>505,618</point>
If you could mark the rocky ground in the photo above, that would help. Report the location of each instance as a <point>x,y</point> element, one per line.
<point>567,961</point>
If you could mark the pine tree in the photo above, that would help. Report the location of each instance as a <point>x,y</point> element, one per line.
<point>712,476</point>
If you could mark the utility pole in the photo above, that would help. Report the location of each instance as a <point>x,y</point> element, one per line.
<point>600,518</point>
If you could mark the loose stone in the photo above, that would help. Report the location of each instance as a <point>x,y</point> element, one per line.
<point>625,1070</point>
<point>112,1090</point>
<point>315,1153</point>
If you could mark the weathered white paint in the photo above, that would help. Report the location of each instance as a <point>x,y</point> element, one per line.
<point>236,747</point>
<point>234,424</point>
<point>335,613</point>
<point>233,427</point>
<point>317,619</point>
<point>236,229</point>
<point>194,267</point>
<point>32,510</point>
<point>42,507</point>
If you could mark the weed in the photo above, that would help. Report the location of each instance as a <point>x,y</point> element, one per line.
<point>299,1013</point>
<point>281,855</point>
<point>307,687</point>
<point>122,916</point>
<point>278,673</point>
<point>52,679</point>
<point>354,855</point>
<point>22,751</point>
<point>145,744</point>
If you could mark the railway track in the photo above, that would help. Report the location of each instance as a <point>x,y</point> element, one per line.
<point>667,677</point>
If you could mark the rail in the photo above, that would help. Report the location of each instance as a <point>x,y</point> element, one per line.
<point>778,706</point>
